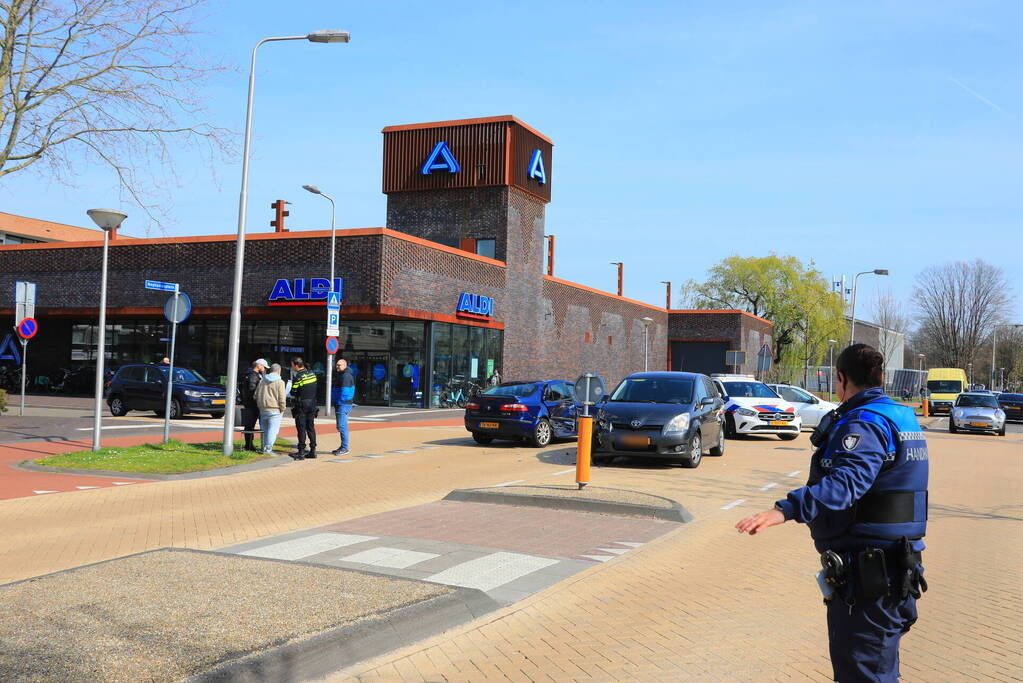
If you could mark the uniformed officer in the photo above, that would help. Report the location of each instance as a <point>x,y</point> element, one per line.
<point>304,408</point>
<point>866,505</point>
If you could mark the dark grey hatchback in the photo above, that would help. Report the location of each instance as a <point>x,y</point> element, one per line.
<point>666,415</point>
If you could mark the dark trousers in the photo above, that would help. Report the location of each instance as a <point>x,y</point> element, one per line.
<point>305,422</point>
<point>250,416</point>
<point>864,644</point>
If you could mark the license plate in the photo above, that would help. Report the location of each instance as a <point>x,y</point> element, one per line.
<point>978,424</point>
<point>489,425</point>
<point>778,423</point>
<point>634,441</point>
<point>218,401</point>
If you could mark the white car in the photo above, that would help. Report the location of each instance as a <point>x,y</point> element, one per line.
<point>751,407</point>
<point>810,408</point>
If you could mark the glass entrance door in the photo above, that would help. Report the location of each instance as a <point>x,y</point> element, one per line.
<point>372,385</point>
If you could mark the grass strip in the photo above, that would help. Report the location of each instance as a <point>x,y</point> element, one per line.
<point>173,457</point>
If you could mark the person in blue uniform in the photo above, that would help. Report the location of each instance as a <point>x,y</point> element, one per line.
<point>865,502</point>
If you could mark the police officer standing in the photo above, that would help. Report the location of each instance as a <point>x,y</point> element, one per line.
<point>304,407</point>
<point>865,503</point>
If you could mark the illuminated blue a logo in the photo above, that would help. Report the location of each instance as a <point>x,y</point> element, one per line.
<point>536,170</point>
<point>441,159</point>
<point>9,350</point>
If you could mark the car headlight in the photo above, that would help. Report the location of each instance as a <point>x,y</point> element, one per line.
<point>958,412</point>
<point>747,412</point>
<point>999,415</point>
<point>193,394</point>
<point>677,425</point>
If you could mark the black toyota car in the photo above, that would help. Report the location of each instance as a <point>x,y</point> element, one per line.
<point>665,415</point>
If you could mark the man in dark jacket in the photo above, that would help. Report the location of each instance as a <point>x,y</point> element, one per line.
<point>250,412</point>
<point>304,408</point>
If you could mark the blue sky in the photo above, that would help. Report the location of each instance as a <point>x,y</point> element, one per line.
<point>858,135</point>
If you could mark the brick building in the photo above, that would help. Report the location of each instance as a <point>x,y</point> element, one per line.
<point>455,285</point>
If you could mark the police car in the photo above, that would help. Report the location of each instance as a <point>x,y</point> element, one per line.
<point>751,407</point>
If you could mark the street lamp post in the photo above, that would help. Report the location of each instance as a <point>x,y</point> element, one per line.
<point>831,365</point>
<point>239,250</point>
<point>852,327</point>
<point>333,232</point>
<point>994,342</point>
<point>647,322</point>
<point>107,219</point>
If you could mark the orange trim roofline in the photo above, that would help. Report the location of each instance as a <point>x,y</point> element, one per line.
<point>467,122</point>
<point>721,310</point>
<point>609,295</point>
<point>260,236</point>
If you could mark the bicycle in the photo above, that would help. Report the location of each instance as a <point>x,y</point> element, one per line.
<point>463,391</point>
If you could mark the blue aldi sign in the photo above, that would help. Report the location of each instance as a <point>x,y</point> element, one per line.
<point>475,306</point>
<point>302,291</point>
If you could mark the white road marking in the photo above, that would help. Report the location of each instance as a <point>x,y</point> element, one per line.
<point>42,492</point>
<point>769,486</point>
<point>123,483</point>
<point>395,558</point>
<point>616,551</point>
<point>491,571</point>
<point>792,474</point>
<point>401,451</point>
<point>508,483</point>
<point>86,487</point>
<point>631,544</point>
<point>733,504</point>
<point>89,429</point>
<point>414,412</point>
<point>298,548</point>
<point>599,558</point>
<point>564,472</point>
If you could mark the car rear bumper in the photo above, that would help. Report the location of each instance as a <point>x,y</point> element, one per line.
<point>506,428</point>
<point>939,406</point>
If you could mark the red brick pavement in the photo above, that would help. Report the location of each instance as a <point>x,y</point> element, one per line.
<point>540,531</point>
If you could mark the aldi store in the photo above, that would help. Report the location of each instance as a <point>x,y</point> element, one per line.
<point>455,286</point>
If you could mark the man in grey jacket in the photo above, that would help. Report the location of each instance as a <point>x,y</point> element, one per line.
<point>271,399</point>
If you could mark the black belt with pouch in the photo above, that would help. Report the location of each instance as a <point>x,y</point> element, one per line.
<point>876,573</point>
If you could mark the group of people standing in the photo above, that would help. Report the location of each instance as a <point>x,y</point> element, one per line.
<point>264,395</point>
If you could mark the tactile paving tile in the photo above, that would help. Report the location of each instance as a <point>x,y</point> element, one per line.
<point>298,548</point>
<point>491,571</point>
<point>395,558</point>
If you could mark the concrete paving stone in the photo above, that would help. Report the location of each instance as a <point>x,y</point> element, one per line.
<point>491,571</point>
<point>300,548</point>
<point>394,558</point>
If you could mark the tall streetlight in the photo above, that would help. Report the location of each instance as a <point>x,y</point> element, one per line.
<point>107,219</point>
<point>852,327</point>
<point>831,365</point>
<point>994,341</point>
<point>647,322</point>
<point>969,374</point>
<point>920,367</point>
<point>333,231</point>
<point>239,250</point>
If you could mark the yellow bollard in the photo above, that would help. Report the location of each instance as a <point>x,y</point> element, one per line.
<point>582,455</point>
<point>925,408</point>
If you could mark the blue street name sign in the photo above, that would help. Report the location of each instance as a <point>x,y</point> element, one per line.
<point>161,286</point>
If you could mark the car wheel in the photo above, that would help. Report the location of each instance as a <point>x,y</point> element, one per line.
<point>481,438</point>
<point>719,449</point>
<point>788,437</point>
<point>175,409</point>
<point>951,425</point>
<point>542,434</point>
<point>695,452</point>
<point>117,407</point>
<point>730,432</point>
<point>1001,432</point>
<point>217,415</point>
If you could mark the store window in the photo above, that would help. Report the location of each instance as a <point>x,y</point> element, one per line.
<point>486,247</point>
<point>408,368</point>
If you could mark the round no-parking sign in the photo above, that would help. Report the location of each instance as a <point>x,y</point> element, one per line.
<point>332,345</point>
<point>27,328</point>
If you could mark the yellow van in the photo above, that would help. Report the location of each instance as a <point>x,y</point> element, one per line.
<point>944,386</point>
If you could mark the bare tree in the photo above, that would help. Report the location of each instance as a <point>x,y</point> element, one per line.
<point>892,322</point>
<point>959,304</point>
<point>107,81</point>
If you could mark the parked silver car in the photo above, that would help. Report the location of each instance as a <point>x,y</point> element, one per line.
<point>976,412</point>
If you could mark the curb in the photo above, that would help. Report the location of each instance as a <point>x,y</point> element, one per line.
<point>28,466</point>
<point>675,513</point>
<point>342,647</point>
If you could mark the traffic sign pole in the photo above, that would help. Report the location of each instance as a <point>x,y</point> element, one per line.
<point>24,372</point>
<point>170,368</point>
<point>333,314</point>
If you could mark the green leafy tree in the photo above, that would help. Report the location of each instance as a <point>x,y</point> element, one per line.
<point>796,297</point>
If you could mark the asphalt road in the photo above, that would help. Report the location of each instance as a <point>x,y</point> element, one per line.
<point>62,418</point>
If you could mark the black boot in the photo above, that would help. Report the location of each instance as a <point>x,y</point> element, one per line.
<point>311,453</point>
<point>299,454</point>
<point>248,443</point>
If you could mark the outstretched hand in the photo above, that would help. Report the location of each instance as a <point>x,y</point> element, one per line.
<point>760,521</point>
